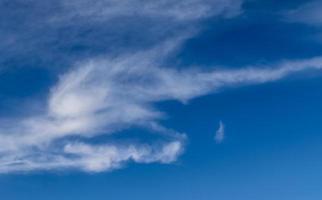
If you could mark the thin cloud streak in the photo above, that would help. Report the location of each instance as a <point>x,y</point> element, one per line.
<point>308,13</point>
<point>220,133</point>
<point>179,10</point>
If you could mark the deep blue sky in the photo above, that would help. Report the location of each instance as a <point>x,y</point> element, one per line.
<point>272,145</point>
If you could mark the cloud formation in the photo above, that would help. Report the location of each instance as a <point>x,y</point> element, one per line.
<point>111,92</point>
<point>308,13</point>
<point>220,133</point>
<point>61,32</point>
<point>105,95</point>
<point>181,10</point>
<point>98,96</point>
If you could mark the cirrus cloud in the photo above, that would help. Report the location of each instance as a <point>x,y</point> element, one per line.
<point>107,95</point>
<point>112,89</point>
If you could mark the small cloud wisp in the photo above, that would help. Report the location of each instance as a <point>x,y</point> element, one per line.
<point>220,133</point>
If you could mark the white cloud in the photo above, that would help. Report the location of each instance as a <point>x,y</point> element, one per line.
<point>62,32</point>
<point>220,133</point>
<point>308,13</point>
<point>180,10</point>
<point>91,158</point>
<point>102,96</point>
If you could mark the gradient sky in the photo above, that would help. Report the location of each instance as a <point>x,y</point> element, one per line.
<point>173,99</point>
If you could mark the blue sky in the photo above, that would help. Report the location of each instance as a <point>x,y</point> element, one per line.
<point>140,99</point>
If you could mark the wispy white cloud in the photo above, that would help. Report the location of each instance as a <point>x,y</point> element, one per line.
<point>91,158</point>
<point>100,96</point>
<point>63,32</point>
<point>103,96</point>
<point>220,133</point>
<point>308,13</point>
<point>181,10</point>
